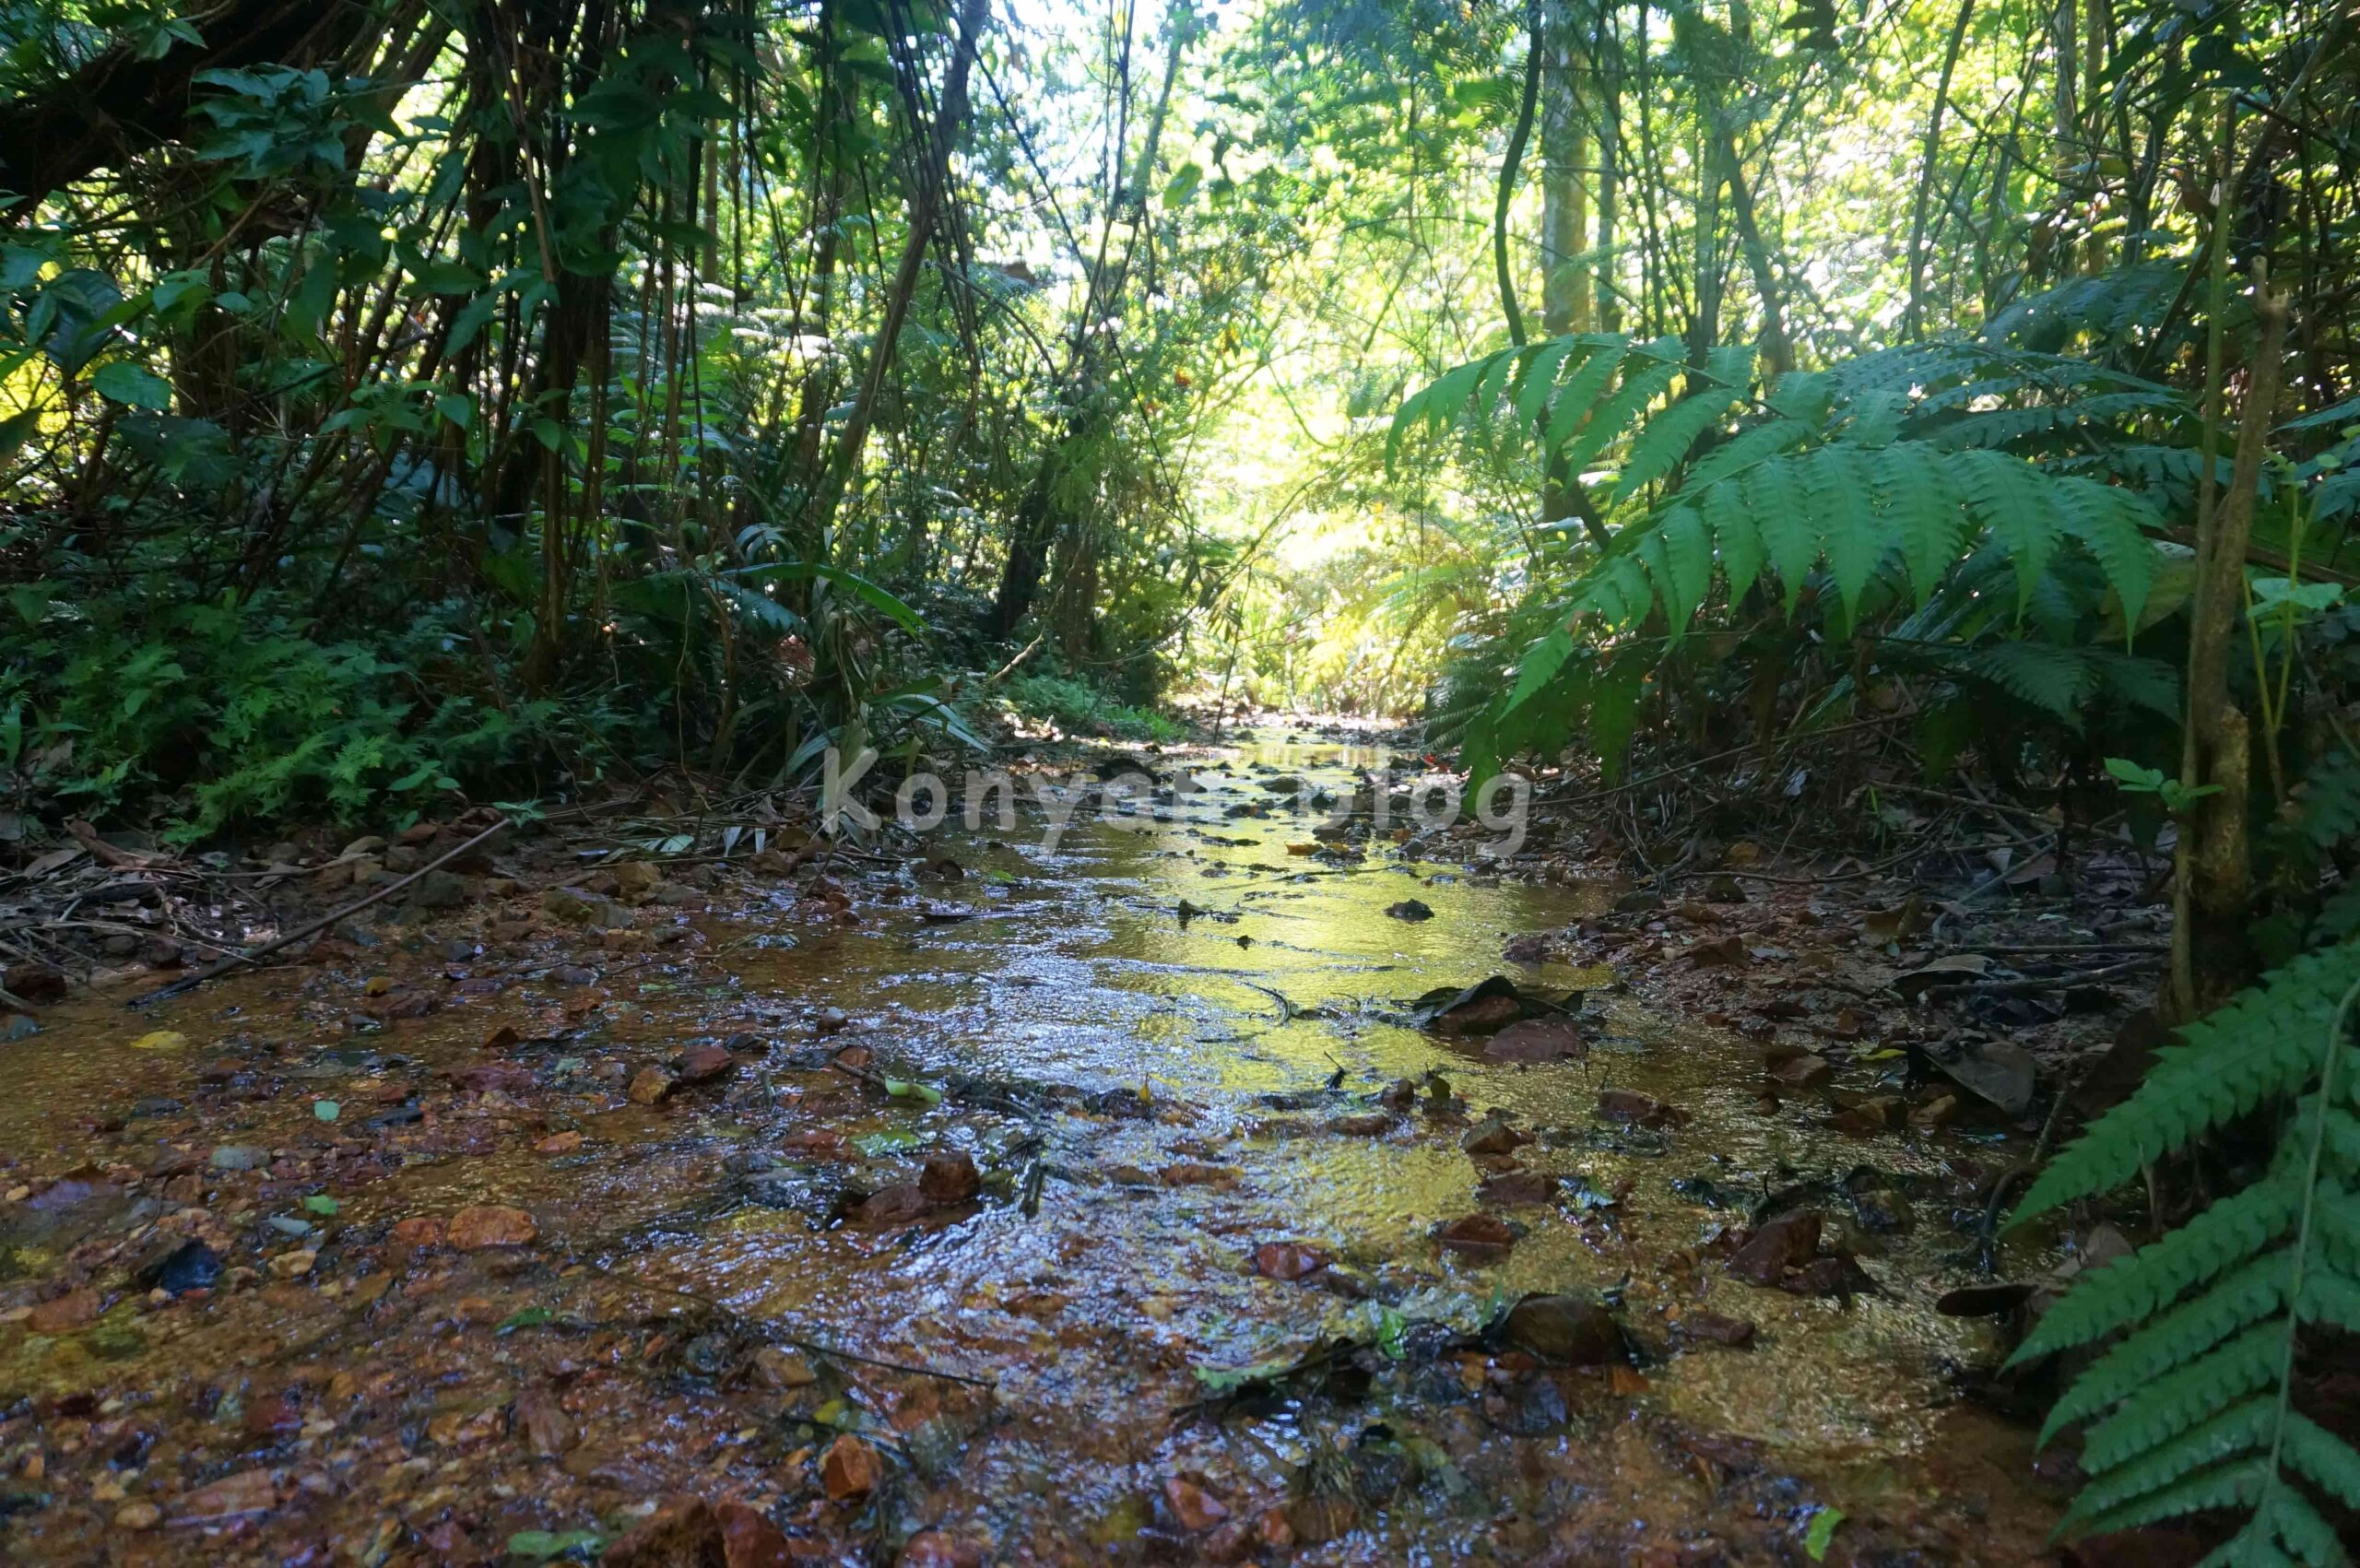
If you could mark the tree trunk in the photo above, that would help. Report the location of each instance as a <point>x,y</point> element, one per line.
<point>2213,955</point>
<point>1564,196</point>
<point>927,202</point>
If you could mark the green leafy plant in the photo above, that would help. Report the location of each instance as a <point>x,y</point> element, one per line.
<point>2136,779</point>
<point>2193,1407</point>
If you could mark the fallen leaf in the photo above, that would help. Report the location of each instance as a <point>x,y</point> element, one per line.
<point>160,1040</point>
<point>850,1469</point>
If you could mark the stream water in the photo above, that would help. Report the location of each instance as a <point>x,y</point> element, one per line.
<point>1149,1100</point>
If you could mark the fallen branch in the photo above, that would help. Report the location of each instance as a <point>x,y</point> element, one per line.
<point>215,970</point>
<point>2043,983</point>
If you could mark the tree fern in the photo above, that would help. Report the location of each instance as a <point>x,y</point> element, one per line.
<point>2192,1408</point>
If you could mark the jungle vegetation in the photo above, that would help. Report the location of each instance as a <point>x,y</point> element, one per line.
<point>418,397</point>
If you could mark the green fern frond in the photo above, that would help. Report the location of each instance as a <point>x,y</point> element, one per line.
<point>1642,384</point>
<point>2138,1287</point>
<point>2049,676</point>
<point>1665,439</point>
<point>1574,399</point>
<point>2243,1297</point>
<point>2263,1045</point>
<point>2228,1435</point>
<point>2175,1401</point>
<point>1923,504</point>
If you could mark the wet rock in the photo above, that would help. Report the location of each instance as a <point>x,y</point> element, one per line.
<point>572,974</point>
<point>190,1266</point>
<point>748,1540</point>
<point>483,1078</point>
<point>1192,1173</point>
<point>703,1064</point>
<point>1805,1071</point>
<point>439,890</point>
<point>781,1370</point>
<point>421,1231</point>
<point>1512,1189</point>
<point>1538,1040</point>
<point>1995,1070</point>
<point>292,1265</point>
<point>1195,1507</point>
<point>490,1225</point>
<point>272,1416</point>
<point>1722,952</point>
<point>683,1533</point>
<point>1409,909</point>
<point>234,1497</point>
<point>1783,1244</point>
<point>138,1517</point>
<point>896,1205</point>
<point>1372,1124</point>
<point>1286,1260</point>
<point>950,1178</point>
<point>1492,1135</point>
<point>1479,1009</point>
<point>549,1430</point>
<point>559,1143</point>
<point>1876,1113</point>
<point>1939,1112</point>
<point>1712,1328</point>
<point>1639,1110</point>
<point>1838,1274</point>
<point>850,1469</point>
<point>1566,1329</point>
<point>62,1314</point>
<point>1482,1238</point>
<point>938,1549</point>
<point>650,1085</point>
<point>239,1157</point>
<point>37,983</point>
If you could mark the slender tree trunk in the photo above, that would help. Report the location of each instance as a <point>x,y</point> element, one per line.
<point>927,202</point>
<point>1511,166</point>
<point>1913,316</point>
<point>2213,954</point>
<point>1565,295</point>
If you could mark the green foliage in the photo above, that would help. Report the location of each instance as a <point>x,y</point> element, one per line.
<point>246,712</point>
<point>1866,486</point>
<point>1078,707</point>
<point>2191,1408</point>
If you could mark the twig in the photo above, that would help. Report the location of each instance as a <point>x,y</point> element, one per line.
<point>215,970</point>
<point>2045,983</point>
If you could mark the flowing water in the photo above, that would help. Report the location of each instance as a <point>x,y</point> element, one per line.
<point>1139,1030</point>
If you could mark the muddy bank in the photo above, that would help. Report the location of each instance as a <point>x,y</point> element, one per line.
<point>993,1201</point>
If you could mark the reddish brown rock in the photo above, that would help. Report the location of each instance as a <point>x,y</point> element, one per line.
<point>850,1469</point>
<point>62,1314</point>
<point>1629,1105</point>
<point>1784,1242</point>
<point>650,1085</point>
<point>483,1078</point>
<point>233,1497</point>
<point>950,1178</point>
<point>938,1548</point>
<point>1493,1136</point>
<point>1373,1123</point>
<point>703,1064</point>
<point>1805,1071</point>
<point>683,1533</point>
<point>1484,1238</point>
<point>1286,1260</point>
<point>559,1143</point>
<point>1194,1505</point>
<point>1516,1188</point>
<point>1568,1330</point>
<point>748,1540</point>
<point>1538,1040</point>
<point>420,1231</point>
<point>549,1430</point>
<point>490,1225</point>
<point>1190,1173</point>
<point>1712,1328</point>
<point>896,1205</point>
